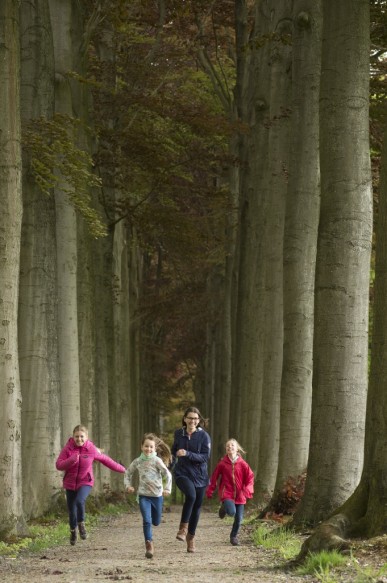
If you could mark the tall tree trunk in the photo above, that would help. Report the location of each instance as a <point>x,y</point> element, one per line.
<point>300,242</point>
<point>66,232</point>
<point>135,270</point>
<point>121,343</point>
<point>103,351</point>
<point>11,511</point>
<point>278,168</point>
<point>37,321</point>
<point>253,107</point>
<point>343,263</point>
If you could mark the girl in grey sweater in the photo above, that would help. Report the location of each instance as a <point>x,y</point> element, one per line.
<point>155,482</point>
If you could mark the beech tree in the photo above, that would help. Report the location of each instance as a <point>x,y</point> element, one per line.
<point>11,510</point>
<point>300,242</point>
<point>66,231</point>
<point>37,322</point>
<point>340,349</point>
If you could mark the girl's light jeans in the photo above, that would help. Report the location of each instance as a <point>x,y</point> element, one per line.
<point>151,508</point>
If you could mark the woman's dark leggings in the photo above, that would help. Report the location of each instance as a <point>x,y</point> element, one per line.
<point>192,503</point>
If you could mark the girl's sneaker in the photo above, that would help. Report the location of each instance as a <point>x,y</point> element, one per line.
<point>222,511</point>
<point>234,541</point>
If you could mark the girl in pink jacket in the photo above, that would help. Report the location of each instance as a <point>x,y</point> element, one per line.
<point>76,460</point>
<point>235,481</point>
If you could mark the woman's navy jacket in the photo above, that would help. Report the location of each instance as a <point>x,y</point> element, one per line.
<point>194,464</point>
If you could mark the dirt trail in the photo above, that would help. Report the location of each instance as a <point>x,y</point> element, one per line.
<point>114,551</point>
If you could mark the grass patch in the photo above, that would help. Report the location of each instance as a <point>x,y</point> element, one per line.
<point>52,529</point>
<point>281,539</point>
<point>370,574</point>
<point>322,564</point>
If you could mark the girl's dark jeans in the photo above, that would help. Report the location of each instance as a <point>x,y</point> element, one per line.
<point>76,500</point>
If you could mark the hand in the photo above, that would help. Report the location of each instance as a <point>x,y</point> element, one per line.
<point>166,493</point>
<point>130,489</point>
<point>181,452</point>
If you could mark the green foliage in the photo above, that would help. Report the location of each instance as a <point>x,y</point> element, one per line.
<point>162,150</point>
<point>56,161</point>
<point>281,539</point>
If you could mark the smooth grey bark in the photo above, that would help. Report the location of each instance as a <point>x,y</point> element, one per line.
<point>278,169</point>
<point>121,325</point>
<point>11,510</point>
<point>135,270</point>
<point>37,319</point>
<point>300,242</point>
<point>104,378</point>
<point>253,107</point>
<point>343,263</point>
<point>66,231</point>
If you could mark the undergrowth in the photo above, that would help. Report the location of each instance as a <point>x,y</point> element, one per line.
<point>325,566</point>
<point>52,529</point>
<point>281,539</point>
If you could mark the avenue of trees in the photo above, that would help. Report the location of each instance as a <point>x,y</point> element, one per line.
<point>187,197</point>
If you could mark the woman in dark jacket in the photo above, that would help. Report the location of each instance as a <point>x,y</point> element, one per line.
<point>191,451</point>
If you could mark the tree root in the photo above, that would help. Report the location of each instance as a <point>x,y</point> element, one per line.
<point>328,536</point>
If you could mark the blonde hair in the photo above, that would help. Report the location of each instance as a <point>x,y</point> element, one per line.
<point>238,446</point>
<point>80,428</point>
<point>162,449</point>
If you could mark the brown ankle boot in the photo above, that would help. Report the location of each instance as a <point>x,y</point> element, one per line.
<point>190,543</point>
<point>149,549</point>
<point>182,532</point>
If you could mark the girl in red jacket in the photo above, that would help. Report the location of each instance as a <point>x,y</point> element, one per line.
<point>76,460</point>
<point>235,481</point>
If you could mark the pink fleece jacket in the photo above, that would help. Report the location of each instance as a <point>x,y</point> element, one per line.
<point>77,463</point>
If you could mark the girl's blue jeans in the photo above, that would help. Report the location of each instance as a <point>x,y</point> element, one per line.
<point>236,510</point>
<point>151,508</point>
<point>192,503</point>
<point>76,501</point>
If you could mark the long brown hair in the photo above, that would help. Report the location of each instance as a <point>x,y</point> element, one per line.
<point>202,421</point>
<point>162,449</point>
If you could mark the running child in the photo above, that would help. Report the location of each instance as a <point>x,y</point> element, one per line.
<point>76,460</point>
<point>235,482</point>
<point>151,471</point>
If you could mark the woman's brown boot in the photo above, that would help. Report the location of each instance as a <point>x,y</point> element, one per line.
<point>190,543</point>
<point>182,532</point>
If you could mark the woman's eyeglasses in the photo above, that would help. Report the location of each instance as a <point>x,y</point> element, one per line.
<point>192,418</point>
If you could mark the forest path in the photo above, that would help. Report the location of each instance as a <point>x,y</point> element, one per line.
<point>115,551</point>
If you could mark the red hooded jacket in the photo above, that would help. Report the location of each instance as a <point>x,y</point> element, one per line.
<point>236,480</point>
<point>77,463</point>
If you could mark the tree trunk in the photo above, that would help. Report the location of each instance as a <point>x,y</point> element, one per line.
<point>37,321</point>
<point>364,513</point>
<point>66,232</point>
<point>253,108</point>
<point>300,242</point>
<point>343,264</point>
<point>11,511</point>
<point>278,168</point>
